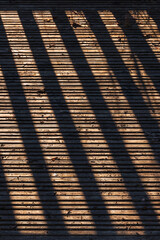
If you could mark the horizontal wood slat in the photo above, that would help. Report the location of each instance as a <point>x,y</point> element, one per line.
<point>79,120</point>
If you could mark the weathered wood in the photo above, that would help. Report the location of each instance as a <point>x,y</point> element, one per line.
<point>79,119</point>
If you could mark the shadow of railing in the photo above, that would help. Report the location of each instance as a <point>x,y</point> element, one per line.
<point>49,89</point>
<point>102,223</point>
<point>91,18</point>
<point>37,154</point>
<point>7,217</point>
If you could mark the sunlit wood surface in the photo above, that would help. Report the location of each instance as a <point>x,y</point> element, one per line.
<point>79,120</point>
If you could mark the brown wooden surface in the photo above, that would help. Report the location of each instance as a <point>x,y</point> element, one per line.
<point>79,120</point>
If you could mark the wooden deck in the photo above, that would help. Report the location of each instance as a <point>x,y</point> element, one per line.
<point>79,120</point>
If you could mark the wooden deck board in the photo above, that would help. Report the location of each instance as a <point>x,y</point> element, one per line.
<point>79,120</point>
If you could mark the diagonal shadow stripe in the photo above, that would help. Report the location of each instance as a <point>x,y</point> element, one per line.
<point>150,70</point>
<point>153,68</point>
<point>7,218</point>
<point>32,158</point>
<point>32,38</point>
<point>154,14</point>
<point>108,117</point>
<point>128,93</point>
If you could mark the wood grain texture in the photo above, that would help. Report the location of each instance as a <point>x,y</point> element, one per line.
<point>79,120</point>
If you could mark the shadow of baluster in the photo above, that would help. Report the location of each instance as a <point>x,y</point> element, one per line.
<point>49,89</point>
<point>7,216</point>
<point>47,197</point>
<point>151,68</point>
<point>92,17</point>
